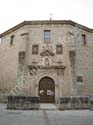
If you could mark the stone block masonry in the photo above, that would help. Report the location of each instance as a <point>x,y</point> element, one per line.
<point>75,103</point>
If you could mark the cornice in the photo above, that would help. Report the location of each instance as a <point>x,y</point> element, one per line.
<point>46,22</point>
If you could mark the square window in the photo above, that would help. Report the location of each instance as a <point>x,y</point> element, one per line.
<point>35,49</point>
<point>79,79</point>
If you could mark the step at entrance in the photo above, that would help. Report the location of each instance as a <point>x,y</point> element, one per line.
<point>45,106</point>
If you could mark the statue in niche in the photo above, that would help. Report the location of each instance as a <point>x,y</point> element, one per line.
<point>46,62</point>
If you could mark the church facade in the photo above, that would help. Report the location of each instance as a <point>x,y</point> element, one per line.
<point>49,59</point>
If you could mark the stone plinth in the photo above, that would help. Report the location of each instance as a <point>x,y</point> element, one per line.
<point>23,102</point>
<point>80,102</point>
<point>75,102</point>
<point>64,103</point>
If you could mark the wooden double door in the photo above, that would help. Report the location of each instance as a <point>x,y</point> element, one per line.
<point>47,90</point>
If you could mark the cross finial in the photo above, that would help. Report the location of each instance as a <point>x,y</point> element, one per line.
<point>51,14</point>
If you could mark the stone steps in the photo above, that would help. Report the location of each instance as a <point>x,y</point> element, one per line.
<point>49,106</point>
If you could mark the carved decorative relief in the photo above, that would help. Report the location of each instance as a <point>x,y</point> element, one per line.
<point>47,50</point>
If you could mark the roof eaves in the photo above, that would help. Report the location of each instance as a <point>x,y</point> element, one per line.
<point>12,29</point>
<point>70,22</point>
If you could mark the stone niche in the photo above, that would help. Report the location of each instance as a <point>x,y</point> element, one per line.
<point>23,103</point>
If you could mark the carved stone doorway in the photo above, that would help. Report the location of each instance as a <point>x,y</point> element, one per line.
<point>46,90</point>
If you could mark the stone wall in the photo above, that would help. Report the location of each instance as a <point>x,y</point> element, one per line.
<point>75,103</point>
<point>23,103</point>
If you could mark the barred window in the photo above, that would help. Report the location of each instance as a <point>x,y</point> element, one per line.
<point>79,79</point>
<point>12,40</point>
<point>59,49</point>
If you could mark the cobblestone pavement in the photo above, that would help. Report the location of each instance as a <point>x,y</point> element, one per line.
<point>45,117</point>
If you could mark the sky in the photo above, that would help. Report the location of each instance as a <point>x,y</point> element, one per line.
<point>13,12</point>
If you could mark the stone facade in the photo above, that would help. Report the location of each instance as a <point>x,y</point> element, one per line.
<point>71,71</point>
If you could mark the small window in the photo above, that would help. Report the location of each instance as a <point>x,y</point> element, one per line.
<point>59,49</point>
<point>35,49</point>
<point>47,36</point>
<point>79,79</point>
<point>12,40</point>
<point>84,39</point>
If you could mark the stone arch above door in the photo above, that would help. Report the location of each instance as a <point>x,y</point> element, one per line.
<point>52,76</point>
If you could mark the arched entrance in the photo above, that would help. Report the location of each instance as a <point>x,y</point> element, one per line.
<point>47,90</point>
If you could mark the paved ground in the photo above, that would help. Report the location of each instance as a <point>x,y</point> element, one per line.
<point>45,117</point>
